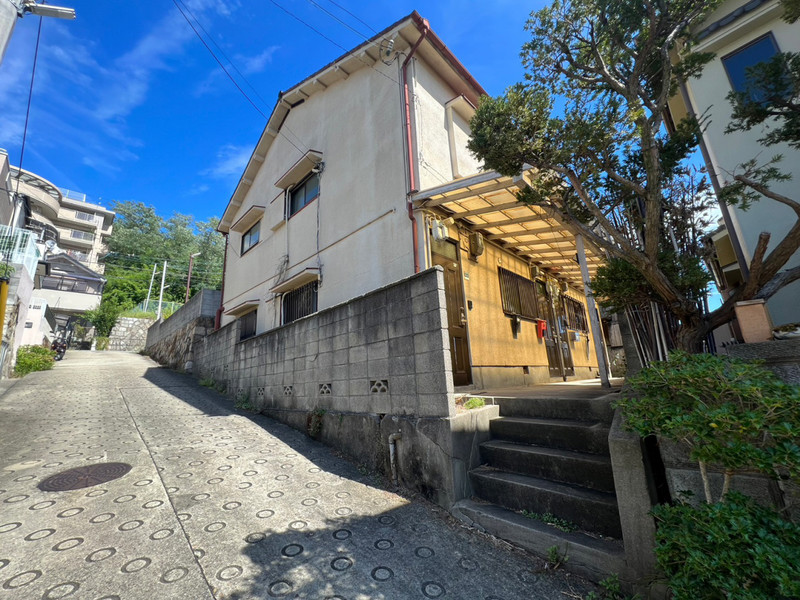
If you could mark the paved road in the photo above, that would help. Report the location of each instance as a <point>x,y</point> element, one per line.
<point>218,504</point>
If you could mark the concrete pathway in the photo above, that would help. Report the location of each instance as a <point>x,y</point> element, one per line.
<point>217,503</point>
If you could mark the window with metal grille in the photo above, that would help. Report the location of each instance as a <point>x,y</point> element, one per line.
<point>576,315</point>
<point>247,325</point>
<point>518,294</point>
<point>84,216</point>
<point>300,303</point>
<point>304,193</point>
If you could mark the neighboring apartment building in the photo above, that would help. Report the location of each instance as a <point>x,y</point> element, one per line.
<point>743,33</point>
<point>362,178</point>
<point>71,234</point>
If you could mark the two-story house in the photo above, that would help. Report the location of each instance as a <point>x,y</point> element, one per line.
<point>362,178</point>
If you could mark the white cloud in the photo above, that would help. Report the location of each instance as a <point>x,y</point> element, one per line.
<point>257,63</point>
<point>231,161</point>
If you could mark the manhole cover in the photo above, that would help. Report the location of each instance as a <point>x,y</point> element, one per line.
<point>83,477</point>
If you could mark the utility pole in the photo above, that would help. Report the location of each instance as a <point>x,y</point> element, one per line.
<point>189,279</point>
<point>10,12</point>
<point>161,294</point>
<point>150,289</point>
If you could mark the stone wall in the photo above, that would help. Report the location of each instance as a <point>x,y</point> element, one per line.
<point>171,342</point>
<point>129,334</point>
<point>780,356</point>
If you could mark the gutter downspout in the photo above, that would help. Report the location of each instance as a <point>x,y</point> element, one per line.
<point>412,180</point>
<point>712,175</point>
<point>218,316</point>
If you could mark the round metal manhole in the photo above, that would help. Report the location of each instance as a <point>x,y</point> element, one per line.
<point>83,477</point>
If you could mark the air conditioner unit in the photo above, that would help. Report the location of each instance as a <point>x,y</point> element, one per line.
<point>535,272</point>
<point>476,245</point>
<point>564,287</point>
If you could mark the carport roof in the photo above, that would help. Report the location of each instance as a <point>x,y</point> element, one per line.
<point>487,203</point>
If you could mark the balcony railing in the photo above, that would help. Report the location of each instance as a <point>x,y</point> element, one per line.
<point>18,246</point>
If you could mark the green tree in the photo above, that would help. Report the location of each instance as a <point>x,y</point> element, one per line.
<point>590,117</point>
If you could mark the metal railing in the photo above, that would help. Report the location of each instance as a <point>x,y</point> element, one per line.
<point>18,247</point>
<point>73,195</point>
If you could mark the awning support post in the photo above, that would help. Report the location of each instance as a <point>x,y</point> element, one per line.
<point>597,333</point>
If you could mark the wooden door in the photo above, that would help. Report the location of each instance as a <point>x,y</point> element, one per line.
<point>446,255</point>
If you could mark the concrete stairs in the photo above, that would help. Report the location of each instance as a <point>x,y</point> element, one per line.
<point>550,455</point>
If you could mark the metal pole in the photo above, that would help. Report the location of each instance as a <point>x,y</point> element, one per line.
<point>150,289</point>
<point>597,334</point>
<point>189,279</point>
<point>161,294</point>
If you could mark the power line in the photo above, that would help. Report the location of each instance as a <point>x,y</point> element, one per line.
<point>339,6</point>
<point>30,98</point>
<point>338,45</point>
<point>338,20</point>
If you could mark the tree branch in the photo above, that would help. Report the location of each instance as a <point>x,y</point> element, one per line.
<point>765,191</point>
<point>756,265</point>
<point>778,282</point>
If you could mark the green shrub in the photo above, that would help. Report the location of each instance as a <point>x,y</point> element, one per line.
<point>33,358</point>
<point>101,343</point>
<point>730,412</point>
<point>474,403</point>
<point>734,550</point>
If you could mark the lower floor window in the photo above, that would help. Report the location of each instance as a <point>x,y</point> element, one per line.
<point>247,325</point>
<point>300,302</point>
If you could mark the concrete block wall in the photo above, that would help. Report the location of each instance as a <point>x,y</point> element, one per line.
<point>386,352</point>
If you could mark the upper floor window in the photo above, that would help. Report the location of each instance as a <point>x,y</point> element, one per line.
<point>738,62</point>
<point>84,216</point>
<point>250,237</point>
<point>81,235</point>
<point>303,193</point>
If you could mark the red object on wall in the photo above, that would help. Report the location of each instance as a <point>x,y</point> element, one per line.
<point>541,327</point>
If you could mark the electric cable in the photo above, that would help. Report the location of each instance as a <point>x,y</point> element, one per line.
<point>338,20</point>
<point>367,25</point>
<point>338,45</point>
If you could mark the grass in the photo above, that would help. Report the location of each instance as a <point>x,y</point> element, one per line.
<point>474,403</point>
<point>552,520</point>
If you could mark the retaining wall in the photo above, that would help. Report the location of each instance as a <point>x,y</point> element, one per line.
<point>129,334</point>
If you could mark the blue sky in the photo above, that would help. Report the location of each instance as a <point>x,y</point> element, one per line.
<point>129,105</point>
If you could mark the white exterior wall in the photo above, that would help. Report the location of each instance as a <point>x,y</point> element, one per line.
<point>69,302</point>
<point>365,233</point>
<point>365,236</point>
<point>431,94</point>
<point>727,151</point>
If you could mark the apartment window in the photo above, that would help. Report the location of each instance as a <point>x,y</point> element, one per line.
<point>81,235</point>
<point>518,294</point>
<point>576,315</point>
<point>303,193</point>
<point>250,237</point>
<point>300,302</point>
<point>738,62</point>
<point>84,216</point>
<point>247,325</point>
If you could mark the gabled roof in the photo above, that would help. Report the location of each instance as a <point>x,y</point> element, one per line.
<point>405,33</point>
<point>73,267</point>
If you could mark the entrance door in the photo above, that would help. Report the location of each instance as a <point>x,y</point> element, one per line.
<point>445,254</point>
<point>559,356</point>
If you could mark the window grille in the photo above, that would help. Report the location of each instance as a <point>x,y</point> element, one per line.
<point>300,303</point>
<point>518,294</point>
<point>576,315</point>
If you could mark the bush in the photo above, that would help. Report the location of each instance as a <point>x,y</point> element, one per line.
<point>730,412</point>
<point>33,358</point>
<point>736,550</point>
<point>101,343</point>
<point>475,402</point>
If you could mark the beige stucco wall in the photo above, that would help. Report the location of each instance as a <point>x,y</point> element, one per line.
<point>69,301</point>
<point>431,94</point>
<point>727,151</point>
<point>491,340</point>
<point>365,235</point>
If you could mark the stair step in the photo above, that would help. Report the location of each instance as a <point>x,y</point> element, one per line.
<point>591,557</point>
<point>564,434</point>
<point>587,470</point>
<point>590,510</point>
<point>582,409</point>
